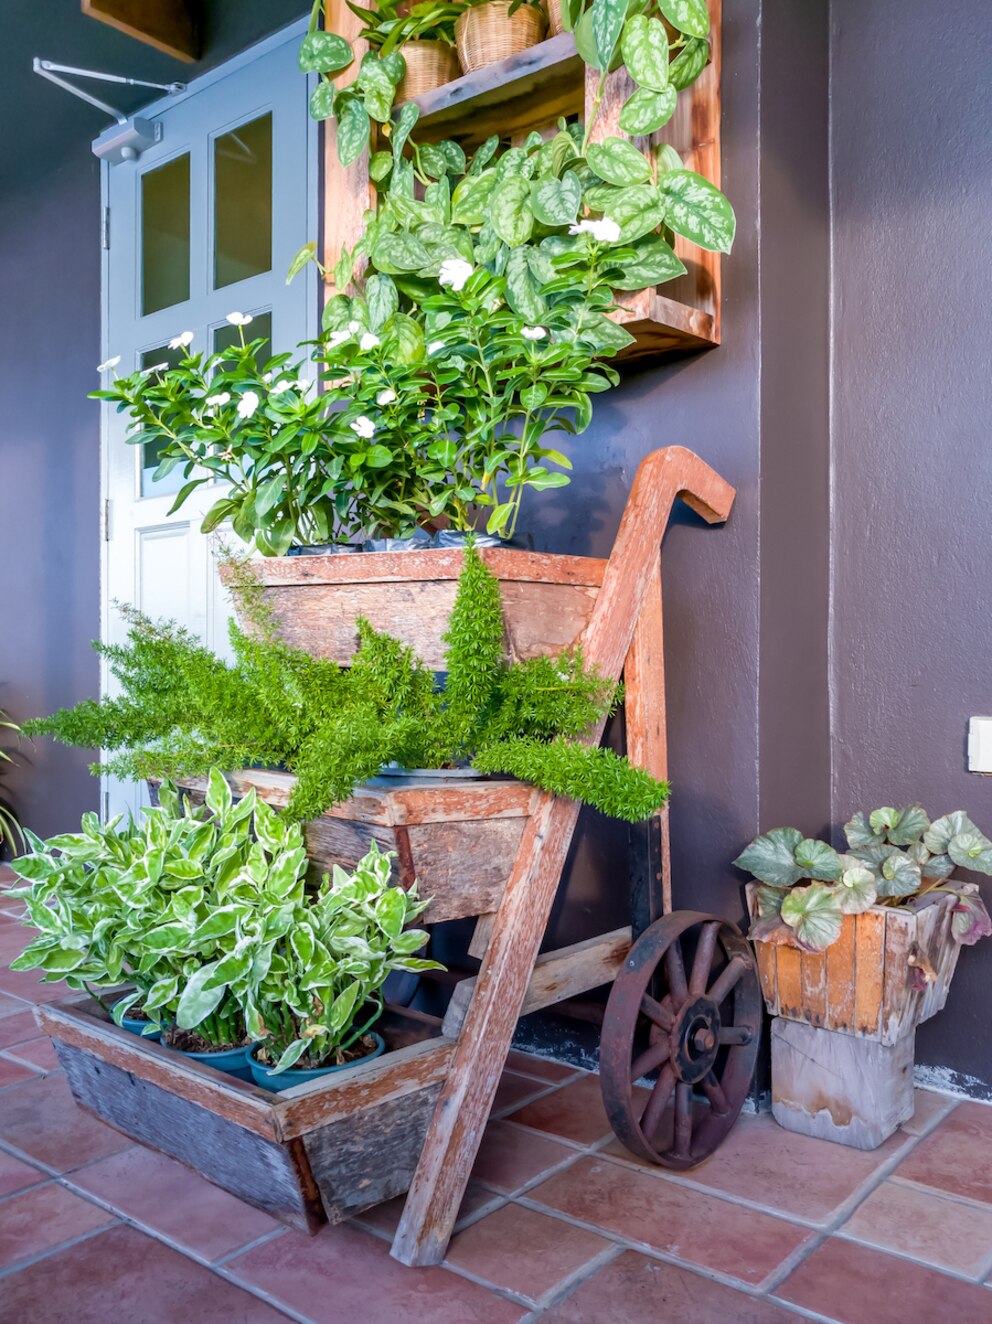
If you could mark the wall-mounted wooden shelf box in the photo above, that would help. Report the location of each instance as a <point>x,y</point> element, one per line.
<point>533,90</point>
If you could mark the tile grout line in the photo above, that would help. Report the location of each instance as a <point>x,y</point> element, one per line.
<point>968,1201</point>
<point>916,1259</point>
<point>10,1270</point>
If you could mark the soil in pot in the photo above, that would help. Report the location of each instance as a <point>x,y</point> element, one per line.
<point>368,1046</point>
<point>232,1059</point>
<point>136,1022</point>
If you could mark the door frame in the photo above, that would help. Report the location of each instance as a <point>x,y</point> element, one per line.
<point>291,32</point>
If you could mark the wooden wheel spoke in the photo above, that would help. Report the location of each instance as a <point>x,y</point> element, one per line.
<point>703,960</point>
<point>683,1120</point>
<point>658,1101</point>
<point>734,1036</point>
<point>675,969</point>
<point>727,980</point>
<point>657,1012</point>
<point>648,1060</point>
<point>714,1092</point>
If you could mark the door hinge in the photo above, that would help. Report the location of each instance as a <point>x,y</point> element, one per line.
<point>105,229</point>
<point>105,519</point>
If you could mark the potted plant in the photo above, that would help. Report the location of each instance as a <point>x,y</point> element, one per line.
<point>153,905</point>
<point>10,829</point>
<point>854,949</point>
<point>492,30</point>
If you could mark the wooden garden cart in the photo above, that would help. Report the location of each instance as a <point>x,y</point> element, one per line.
<point>685,1001</point>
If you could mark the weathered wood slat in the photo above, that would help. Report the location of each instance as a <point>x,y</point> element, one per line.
<point>869,956</point>
<point>841,975</point>
<point>508,564</point>
<point>813,979</point>
<point>790,981</point>
<point>561,974</point>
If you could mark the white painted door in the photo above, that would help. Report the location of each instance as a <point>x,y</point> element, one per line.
<point>203,224</point>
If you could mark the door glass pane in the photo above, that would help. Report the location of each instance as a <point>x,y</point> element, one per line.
<point>151,451</point>
<point>260,327</point>
<point>243,202</point>
<point>165,235</point>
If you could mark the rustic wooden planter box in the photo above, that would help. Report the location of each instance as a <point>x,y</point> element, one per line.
<point>862,984</point>
<point>457,837</point>
<point>547,600</point>
<point>315,1153</point>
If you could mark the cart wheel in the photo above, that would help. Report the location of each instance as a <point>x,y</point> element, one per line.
<point>699,1031</point>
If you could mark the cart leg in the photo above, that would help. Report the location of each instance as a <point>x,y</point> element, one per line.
<point>466,1099</point>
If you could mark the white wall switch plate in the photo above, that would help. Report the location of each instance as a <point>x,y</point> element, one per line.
<point>980,744</point>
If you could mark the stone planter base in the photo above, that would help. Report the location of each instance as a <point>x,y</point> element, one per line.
<point>837,1087</point>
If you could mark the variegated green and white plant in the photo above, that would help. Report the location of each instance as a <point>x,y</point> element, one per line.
<point>893,858</point>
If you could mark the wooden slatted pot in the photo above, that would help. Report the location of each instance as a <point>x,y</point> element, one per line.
<point>457,837</point>
<point>318,1152</point>
<point>547,600</point>
<point>863,983</point>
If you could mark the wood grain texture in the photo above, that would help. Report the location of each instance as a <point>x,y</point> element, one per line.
<point>557,975</point>
<point>813,980</point>
<point>168,25</point>
<point>790,982</point>
<point>348,191</point>
<point>466,1097</point>
<point>841,979</point>
<point>869,955</point>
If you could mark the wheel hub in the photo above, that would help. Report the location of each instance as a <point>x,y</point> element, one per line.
<point>694,1040</point>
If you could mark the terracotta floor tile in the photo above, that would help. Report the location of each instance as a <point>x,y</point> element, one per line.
<point>36,1052</point>
<point>633,1289</point>
<point>9,1006</point>
<point>39,1220</point>
<point>385,1217</point>
<point>543,1068</point>
<point>14,938</point>
<point>788,1173</point>
<point>347,1275</point>
<point>170,1198</point>
<point>510,1157</point>
<point>928,1104</point>
<point>123,1277</point>
<point>41,1118</point>
<point>925,1226</point>
<point>855,1285</point>
<point>26,984</point>
<point>957,1157</point>
<point>574,1112</point>
<point>512,1090</point>
<point>16,1175</point>
<point>12,1073</point>
<point>526,1252</point>
<point>688,1225</point>
<point>17,1027</point>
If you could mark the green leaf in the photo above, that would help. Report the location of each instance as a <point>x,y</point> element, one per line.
<point>971,850</point>
<point>970,920</point>
<point>603,335</point>
<point>688,16</point>
<point>656,262</point>
<point>938,836</point>
<point>859,833</point>
<point>523,292</point>
<point>646,111</point>
<point>698,211</point>
<point>403,340</point>
<point>618,162</point>
<point>469,201</point>
<point>218,513</point>
<point>382,300</point>
<point>900,826</point>
<point>689,63</point>
<point>322,101</point>
<point>510,210</point>
<point>307,253</point>
<point>407,118</point>
<point>354,127</point>
<point>556,201</point>
<point>818,860</point>
<point>637,211</point>
<point>378,88</point>
<point>771,857</point>
<point>814,915</point>
<point>645,52</point>
<point>290,1056</point>
<point>607,24</point>
<point>167,938</point>
<point>390,911</point>
<point>380,165</point>
<point>895,872</point>
<point>395,253</point>
<point>324,52</point>
<point>856,891</point>
<point>769,900</point>
<point>218,798</point>
<point>342,1008</point>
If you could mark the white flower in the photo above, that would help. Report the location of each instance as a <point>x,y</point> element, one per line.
<point>157,367</point>
<point>108,364</point>
<point>339,337</point>
<point>182,341</point>
<point>606,230</point>
<point>284,385</point>
<point>354,328</point>
<point>368,341</point>
<point>222,398</point>
<point>386,397</point>
<point>302,384</point>
<point>434,346</point>
<point>247,404</point>
<point>364,427</point>
<point>239,319</point>
<point>455,271</point>
<point>534,332</point>
<point>266,377</point>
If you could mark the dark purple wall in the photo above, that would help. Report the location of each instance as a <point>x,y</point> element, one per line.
<point>911,637</point>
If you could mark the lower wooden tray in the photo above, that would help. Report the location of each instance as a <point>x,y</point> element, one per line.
<point>315,1153</point>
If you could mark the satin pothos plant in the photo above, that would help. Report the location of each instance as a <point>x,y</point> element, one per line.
<point>893,858</point>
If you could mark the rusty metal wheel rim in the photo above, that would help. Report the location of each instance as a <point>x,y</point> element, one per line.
<point>696,1018</point>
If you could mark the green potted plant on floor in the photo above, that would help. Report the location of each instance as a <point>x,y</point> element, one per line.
<point>11,832</point>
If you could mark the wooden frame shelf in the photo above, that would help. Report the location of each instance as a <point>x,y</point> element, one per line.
<point>532,90</point>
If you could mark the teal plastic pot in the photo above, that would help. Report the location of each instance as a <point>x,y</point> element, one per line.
<point>233,1061</point>
<point>262,1075</point>
<point>134,1025</point>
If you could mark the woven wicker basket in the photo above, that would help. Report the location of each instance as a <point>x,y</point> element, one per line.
<point>488,33</point>
<point>429,64</point>
<point>553,8</point>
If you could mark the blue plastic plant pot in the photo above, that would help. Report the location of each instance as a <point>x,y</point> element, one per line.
<point>134,1025</point>
<point>262,1075</point>
<point>233,1061</point>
